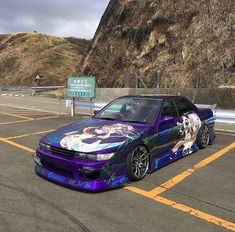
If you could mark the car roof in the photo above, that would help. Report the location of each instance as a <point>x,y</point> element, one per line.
<point>153,96</point>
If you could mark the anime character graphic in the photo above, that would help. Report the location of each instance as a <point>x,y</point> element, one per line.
<point>97,138</point>
<point>189,129</point>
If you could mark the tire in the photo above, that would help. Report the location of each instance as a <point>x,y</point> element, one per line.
<point>138,163</point>
<point>203,137</point>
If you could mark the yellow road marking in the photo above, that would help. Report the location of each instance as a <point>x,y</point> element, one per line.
<point>177,179</point>
<point>139,191</point>
<point>25,135</point>
<point>170,183</point>
<point>28,120</point>
<point>39,114</point>
<point>17,116</point>
<point>197,213</point>
<point>35,110</point>
<point>16,145</point>
<point>27,112</point>
<point>13,122</point>
<point>15,111</point>
<point>48,117</point>
<point>184,208</point>
<point>215,156</point>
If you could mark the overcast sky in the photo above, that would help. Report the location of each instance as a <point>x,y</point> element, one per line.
<point>78,18</point>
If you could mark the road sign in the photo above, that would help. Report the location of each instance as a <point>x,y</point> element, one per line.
<point>82,87</point>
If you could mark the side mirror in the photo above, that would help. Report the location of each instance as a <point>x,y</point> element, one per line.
<point>166,120</point>
<point>96,112</point>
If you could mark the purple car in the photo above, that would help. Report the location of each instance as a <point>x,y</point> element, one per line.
<point>130,137</point>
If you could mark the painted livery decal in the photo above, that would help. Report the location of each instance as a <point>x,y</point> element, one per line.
<point>189,129</point>
<point>97,138</point>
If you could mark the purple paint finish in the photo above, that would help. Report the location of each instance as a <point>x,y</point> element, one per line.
<point>91,155</point>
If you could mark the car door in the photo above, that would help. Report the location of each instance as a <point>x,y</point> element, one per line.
<point>184,107</point>
<point>188,128</point>
<point>167,127</point>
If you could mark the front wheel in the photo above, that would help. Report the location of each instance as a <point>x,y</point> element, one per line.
<point>137,163</point>
<point>203,137</point>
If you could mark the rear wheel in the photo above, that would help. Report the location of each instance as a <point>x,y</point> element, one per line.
<point>203,137</point>
<point>137,163</point>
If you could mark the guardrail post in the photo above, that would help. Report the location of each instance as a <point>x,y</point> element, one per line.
<point>197,82</point>
<point>198,77</point>
<point>91,109</point>
<point>137,79</point>
<point>126,79</point>
<point>73,107</point>
<point>158,78</point>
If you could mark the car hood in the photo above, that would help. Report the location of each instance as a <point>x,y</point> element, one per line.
<point>94,135</point>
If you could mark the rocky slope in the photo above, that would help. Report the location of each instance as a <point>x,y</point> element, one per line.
<point>24,55</point>
<point>173,36</point>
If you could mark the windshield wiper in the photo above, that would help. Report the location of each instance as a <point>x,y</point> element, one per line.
<point>107,118</point>
<point>133,121</point>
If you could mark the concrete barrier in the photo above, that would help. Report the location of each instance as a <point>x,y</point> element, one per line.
<point>223,98</point>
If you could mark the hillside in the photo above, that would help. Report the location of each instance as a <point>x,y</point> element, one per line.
<point>173,36</point>
<point>24,55</point>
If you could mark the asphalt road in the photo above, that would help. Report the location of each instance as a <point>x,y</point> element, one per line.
<point>192,194</point>
<point>39,103</point>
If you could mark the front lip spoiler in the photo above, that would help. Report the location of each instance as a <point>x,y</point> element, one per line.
<point>81,184</point>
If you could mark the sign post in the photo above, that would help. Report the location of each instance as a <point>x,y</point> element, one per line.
<point>82,87</point>
<point>37,78</point>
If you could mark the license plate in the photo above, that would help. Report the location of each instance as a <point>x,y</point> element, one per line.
<point>37,160</point>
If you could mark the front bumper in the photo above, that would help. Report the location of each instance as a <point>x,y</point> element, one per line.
<point>112,177</point>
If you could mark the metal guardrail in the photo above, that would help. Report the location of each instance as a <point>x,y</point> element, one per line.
<point>14,88</point>
<point>202,106</point>
<point>42,88</point>
<point>86,104</point>
<point>49,87</point>
<point>225,116</point>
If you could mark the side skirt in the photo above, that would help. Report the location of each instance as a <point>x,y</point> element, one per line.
<point>170,157</point>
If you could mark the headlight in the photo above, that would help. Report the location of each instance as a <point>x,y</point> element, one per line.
<point>95,157</point>
<point>107,156</point>
<point>45,146</point>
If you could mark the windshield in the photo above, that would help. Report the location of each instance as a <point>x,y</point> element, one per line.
<point>140,110</point>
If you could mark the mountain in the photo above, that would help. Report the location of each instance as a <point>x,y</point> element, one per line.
<point>174,36</point>
<point>23,56</point>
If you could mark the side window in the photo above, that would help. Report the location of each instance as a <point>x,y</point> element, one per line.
<point>183,106</point>
<point>169,109</point>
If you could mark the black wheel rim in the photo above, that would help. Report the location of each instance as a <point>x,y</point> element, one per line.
<point>139,162</point>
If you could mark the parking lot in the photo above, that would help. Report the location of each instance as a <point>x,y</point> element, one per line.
<point>193,194</point>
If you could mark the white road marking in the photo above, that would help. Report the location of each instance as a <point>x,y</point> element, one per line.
<point>12,95</point>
